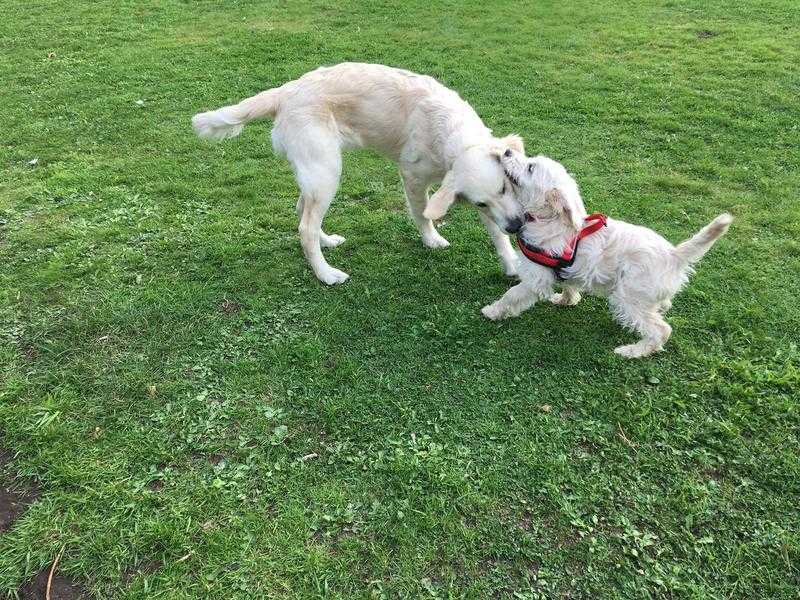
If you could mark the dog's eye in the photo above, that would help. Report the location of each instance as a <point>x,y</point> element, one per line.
<point>503,189</point>
<point>531,167</point>
<point>480,204</point>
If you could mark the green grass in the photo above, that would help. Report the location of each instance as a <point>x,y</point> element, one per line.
<point>198,407</point>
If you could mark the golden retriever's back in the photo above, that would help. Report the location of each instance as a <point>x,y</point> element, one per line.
<point>370,104</point>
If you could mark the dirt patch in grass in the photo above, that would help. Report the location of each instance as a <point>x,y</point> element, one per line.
<point>526,521</point>
<point>230,307</point>
<point>331,536</point>
<point>61,588</point>
<point>714,473</point>
<point>156,485</point>
<point>215,459</point>
<point>16,494</point>
<point>705,33</point>
<point>469,521</point>
<point>146,567</point>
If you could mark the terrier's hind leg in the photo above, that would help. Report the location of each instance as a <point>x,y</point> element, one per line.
<point>647,322</point>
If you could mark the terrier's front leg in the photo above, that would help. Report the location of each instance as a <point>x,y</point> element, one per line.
<point>569,296</point>
<point>516,300</point>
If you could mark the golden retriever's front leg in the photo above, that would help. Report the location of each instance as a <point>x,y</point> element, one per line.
<point>516,300</point>
<point>505,251</point>
<point>416,199</point>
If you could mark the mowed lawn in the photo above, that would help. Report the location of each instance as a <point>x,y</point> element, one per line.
<point>185,412</point>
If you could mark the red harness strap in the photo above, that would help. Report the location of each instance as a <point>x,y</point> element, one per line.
<point>558,262</point>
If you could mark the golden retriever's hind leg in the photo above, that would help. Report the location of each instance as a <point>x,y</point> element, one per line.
<point>317,168</point>
<point>330,240</point>
<point>310,228</point>
<point>326,240</point>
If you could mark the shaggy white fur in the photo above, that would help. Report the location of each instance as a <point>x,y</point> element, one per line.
<point>432,134</point>
<point>637,269</point>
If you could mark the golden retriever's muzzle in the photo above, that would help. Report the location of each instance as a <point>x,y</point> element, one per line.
<point>514,225</point>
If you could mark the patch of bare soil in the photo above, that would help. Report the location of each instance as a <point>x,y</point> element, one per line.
<point>230,307</point>
<point>147,567</point>
<point>16,493</point>
<point>61,588</point>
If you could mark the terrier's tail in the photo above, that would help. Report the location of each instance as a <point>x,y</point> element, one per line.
<point>695,247</point>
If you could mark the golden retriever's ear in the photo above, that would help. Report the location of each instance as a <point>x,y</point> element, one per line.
<point>442,200</point>
<point>514,142</point>
<point>562,204</point>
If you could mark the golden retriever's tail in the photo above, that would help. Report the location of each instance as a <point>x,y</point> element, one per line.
<point>696,246</point>
<point>228,121</point>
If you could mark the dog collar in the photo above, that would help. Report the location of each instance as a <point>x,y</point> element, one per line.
<point>559,262</point>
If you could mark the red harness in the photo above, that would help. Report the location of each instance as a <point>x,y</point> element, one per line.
<point>559,262</point>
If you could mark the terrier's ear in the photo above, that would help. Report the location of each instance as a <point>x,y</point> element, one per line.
<point>514,142</point>
<point>442,200</point>
<point>563,205</point>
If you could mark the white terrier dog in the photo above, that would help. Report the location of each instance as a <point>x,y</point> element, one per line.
<point>637,269</point>
<point>432,133</point>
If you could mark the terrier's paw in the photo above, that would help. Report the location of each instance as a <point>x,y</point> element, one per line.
<point>434,240</point>
<point>332,276</point>
<point>331,240</point>
<point>493,312</point>
<point>565,299</point>
<point>510,267</point>
<point>636,350</point>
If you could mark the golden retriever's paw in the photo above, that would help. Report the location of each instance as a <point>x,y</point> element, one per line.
<point>434,240</point>
<point>331,276</point>
<point>493,312</point>
<point>331,240</point>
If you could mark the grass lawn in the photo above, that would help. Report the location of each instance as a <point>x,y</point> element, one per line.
<point>187,413</point>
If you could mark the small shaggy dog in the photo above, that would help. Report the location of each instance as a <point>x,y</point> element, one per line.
<point>637,269</point>
<point>426,128</point>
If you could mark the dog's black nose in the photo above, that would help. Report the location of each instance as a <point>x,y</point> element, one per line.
<point>507,153</point>
<point>514,225</point>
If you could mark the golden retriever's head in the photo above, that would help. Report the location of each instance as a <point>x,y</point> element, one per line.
<point>478,178</point>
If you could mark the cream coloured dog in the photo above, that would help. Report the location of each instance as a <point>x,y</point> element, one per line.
<point>637,269</point>
<point>432,134</point>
